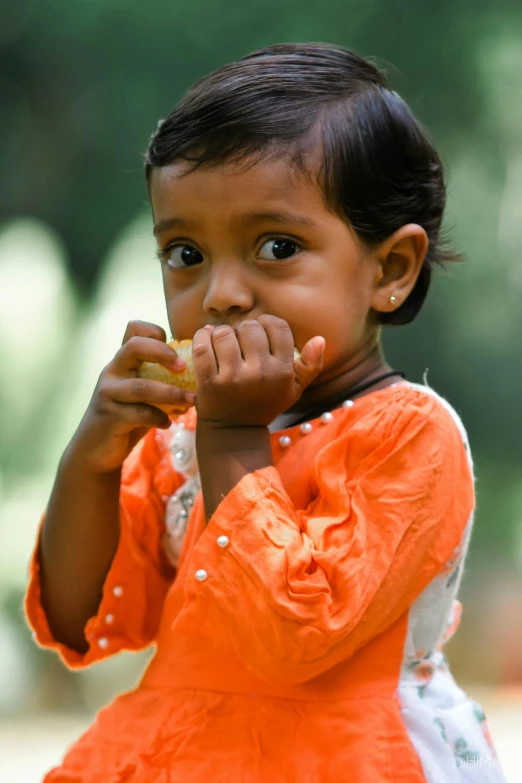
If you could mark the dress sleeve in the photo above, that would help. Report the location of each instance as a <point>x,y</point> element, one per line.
<point>140,574</point>
<point>293,592</point>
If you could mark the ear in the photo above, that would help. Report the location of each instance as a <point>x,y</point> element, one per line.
<point>399,260</point>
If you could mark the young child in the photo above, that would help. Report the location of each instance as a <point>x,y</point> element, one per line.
<point>328,502</point>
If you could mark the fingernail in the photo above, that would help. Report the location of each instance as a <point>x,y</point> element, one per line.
<point>179,363</point>
<point>190,398</point>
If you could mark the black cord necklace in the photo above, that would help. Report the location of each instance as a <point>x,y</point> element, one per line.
<point>334,402</point>
<point>363,386</point>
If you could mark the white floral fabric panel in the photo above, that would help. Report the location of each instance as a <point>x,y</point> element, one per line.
<point>435,615</point>
<point>448,729</point>
<point>182,446</point>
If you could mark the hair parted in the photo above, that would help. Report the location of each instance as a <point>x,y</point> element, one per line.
<point>378,170</point>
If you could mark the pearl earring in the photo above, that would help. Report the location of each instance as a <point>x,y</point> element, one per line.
<point>393,299</point>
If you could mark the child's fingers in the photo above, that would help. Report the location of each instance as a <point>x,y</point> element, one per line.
<point>310,363</point>
<point>203,356</point>
<point>144,329</point>
<point>130,416</point>
<point>312,353</point>
<point>227,351</point>
<point>252,342</point>
<point>280,337</point>
<point>140,390</point>
<point>139,349</point>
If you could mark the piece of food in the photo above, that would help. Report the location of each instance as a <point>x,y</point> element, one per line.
<point>183,380</point>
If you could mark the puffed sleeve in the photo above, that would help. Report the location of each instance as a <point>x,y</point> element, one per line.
<point>140,574</point>
<point>293,592</point>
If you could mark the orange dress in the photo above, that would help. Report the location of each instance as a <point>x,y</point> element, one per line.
<point>299,634</point>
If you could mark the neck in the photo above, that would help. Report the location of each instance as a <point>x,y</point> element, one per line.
<point>370,366</point>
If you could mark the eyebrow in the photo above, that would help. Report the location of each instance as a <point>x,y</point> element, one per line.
<point>257,217</point>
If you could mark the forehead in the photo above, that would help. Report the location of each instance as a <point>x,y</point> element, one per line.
<point>262,185</point>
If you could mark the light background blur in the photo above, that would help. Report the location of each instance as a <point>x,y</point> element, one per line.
<point>82,88</point>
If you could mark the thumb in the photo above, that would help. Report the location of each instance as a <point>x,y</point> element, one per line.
<point>310,363</point>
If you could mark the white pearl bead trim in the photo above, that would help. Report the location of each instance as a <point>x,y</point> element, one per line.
<point>201,575</point>
<point>223,541</point>
<point>109,619</point>
<point>285,440</point>
<point>103,643</point>
<point>117,591</point>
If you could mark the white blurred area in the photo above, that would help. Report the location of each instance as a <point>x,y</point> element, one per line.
<point>52,351</point>
<point>51,354</point>
<point>36,316</point>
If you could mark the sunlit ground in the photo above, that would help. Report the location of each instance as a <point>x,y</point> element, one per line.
<point>29,748</point>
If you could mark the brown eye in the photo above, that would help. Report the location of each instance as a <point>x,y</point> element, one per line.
<point>279,249</point>
<point>181,256</point>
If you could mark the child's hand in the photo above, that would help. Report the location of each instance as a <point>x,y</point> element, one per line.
<point>247,377</point>
<point>122,408</point>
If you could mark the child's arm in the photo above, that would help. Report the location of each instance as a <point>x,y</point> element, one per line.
<point>225,456</point>
<point>81,527</point>
<point>77,545</point>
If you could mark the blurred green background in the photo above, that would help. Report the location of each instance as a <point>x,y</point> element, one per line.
<point>83,86</point>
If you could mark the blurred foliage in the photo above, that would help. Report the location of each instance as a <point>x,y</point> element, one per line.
<point>83,86</point>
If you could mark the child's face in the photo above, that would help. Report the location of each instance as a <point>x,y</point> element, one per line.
<point>240,243</point>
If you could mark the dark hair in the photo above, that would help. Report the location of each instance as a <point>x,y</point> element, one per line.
<point>379,169</point>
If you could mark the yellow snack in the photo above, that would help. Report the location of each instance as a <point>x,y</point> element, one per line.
<point>183,380</point>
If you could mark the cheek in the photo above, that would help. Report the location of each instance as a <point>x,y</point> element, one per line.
<point>182,314</point>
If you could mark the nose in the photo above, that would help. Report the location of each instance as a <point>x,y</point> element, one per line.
<point>228,292</point>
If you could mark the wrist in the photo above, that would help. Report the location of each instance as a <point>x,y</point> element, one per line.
<point>225,455</point>
<point>219,437</point>
<point>75,461</point>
